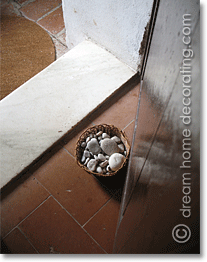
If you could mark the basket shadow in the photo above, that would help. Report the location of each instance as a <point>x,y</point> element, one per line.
<point>114,184</point>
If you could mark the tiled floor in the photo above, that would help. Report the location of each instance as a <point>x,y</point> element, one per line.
<point>47,14</point>
<point>57,207</point>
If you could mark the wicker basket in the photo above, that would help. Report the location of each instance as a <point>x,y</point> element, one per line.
<point>110,130</point>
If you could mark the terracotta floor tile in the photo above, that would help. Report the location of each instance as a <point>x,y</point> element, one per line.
<point>18,201</point>
<point>53,22</point>
<point>52,230</point>
<point>79,192</point>
<point>102,227</point>
<point>35,10</point>
<point>122,112</point>
<point>18,244</point>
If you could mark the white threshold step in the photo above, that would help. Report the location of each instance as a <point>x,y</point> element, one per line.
<point>55,100</point>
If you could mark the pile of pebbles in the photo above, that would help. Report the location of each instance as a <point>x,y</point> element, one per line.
<point>103,154</point>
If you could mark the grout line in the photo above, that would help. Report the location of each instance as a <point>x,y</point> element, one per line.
<point>56,38</point>
<point>128,124</point>
<point>95,240</point>
<point>25,3</point>
<point>27,239</point>
<point>61,32</point>
<point>66,211</point>
<point>68,152</point>
<point>78,223</point>
<point>96,212</point>
<point>27,216</point>
<point>48,13</point>
<point>43,186</point>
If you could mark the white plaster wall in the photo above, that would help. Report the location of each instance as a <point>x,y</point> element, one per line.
<point>117,25</point>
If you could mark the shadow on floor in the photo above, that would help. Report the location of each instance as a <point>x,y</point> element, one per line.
<point>4,248</point>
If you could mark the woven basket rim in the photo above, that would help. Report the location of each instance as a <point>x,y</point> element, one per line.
<point>122,135</point>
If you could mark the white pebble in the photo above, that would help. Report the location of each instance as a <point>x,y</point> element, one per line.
<point>86,162</point>
<point>109,146</point>
<point>99,133</point>
<point>88,139</point>
<point>105,135</point>
<point>115,161</point>
<point>86,153</point>
<point>92,165</point>
<point>83,144</point>
<point>96,157</point>
<point>121,148</point>
<point>93,146</point>
<point>108,168</point>
<point>103,164</point>
<point>99,170</point>
<point>83,159</point>
<point>101,157</point>
<point>99,138</point>
<point>116,139</point>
